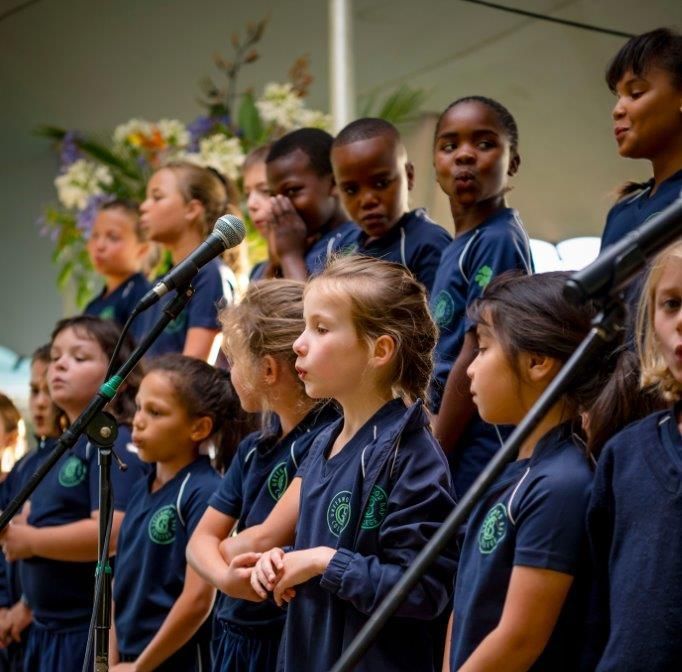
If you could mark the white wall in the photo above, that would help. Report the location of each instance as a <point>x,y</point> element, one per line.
<point>90,64</point>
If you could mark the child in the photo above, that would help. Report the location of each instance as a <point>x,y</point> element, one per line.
<point>374,178</point>
<point>58,545</point>
<point>116,250</point>
<point>307,222</point>
<point>521,576</point>
<point>183,202</point>
<point>475,154</point>
<point>634,521</point>
<point>375,486</point>
<point>646,77</point>
<point>259,334</point>
<point>44,417</point>
<point>161,606</point>
<point>257,195</point>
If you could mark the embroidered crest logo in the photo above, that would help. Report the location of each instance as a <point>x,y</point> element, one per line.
<point>163,524</point>
<point>107,313</point>
<point>338,513</point>
<point>72,472</point>
<point>278,481</point>
<point>178,324</point>
<point>483,276</point>
<point>443,309</point>
<point>376,509</point>
<point>493,529</point>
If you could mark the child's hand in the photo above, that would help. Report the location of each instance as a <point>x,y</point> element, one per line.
<point>19,618</point>
<point>16,542</point>
<point>237,581</point>
<point>5,628</point>
<point>288,232</point>
<point>298,567</point>
<point>264,574</point>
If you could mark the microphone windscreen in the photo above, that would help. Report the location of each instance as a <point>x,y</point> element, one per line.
<point>230,229</point>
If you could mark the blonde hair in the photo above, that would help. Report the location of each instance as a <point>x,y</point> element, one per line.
<point>385,299</point>
<point>9,414</point>
<point>205,185</point>
<point>267,321</point>
<point>654,369</point>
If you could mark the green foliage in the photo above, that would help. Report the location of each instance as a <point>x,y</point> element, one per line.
<point>399,107</point>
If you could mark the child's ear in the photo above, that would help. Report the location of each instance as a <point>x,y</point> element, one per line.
<point>383,350</point>
<point>514,164</point>
<point>540,368</point>
<point>201,429</point>
<point>409,170</point>
<point>271,369</point>
<point>194,210</point>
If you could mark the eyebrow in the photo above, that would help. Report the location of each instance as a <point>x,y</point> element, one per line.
<point>477,133</point>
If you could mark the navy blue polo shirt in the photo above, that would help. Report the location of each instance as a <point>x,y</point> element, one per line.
<point>258,271</point>
<point>532,516</point>
<point>213,289</point>
<point>392,471</point>
<point>466,267</point>
<point>118,305</point>
<point>60,593</point>
<point>329,242</point>
<point>415,241</point>
<point>628,214</point>
<point>10,585</point>
<point>261,471</point>
<point>635,531</point>
<point>150,561</point>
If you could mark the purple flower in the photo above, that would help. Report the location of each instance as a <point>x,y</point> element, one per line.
<point>86,217</point>
<point>69,153</point>
<point>203,126</point>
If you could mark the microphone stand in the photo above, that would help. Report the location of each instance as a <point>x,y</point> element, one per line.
<point>101,429</point>
<point>600,282</point>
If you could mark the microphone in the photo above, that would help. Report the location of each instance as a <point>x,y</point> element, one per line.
<point>228,232</point>
<point>618,264</point>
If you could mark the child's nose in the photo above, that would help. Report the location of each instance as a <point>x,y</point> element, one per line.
<point>298,346</point>
<point>368,199</point>
<point>465,155</point>
<point>618,111</point>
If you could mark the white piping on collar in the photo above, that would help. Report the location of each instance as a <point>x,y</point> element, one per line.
<point>178,501</point>
<point>511,498</point>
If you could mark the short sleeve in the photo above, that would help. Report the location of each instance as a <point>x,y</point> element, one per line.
<point>491,254</point>
<point>202,310</point>
<point>228,498</point>
<point>429,254</point>
<point>550,523</point>
<point>195,503</point>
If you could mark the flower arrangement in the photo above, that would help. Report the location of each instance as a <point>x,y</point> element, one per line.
<point>93,171</point>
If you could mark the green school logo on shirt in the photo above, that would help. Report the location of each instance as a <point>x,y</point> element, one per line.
<point>72,472</point>
<point>278,481</point>
<point>338,513</point>
<point>163,524</point>
<point>376,509</point>
<point>107,313</point>
<point>443,309</point>
<point>483,276</point>
<point>178,324</point>
<point>493,529</point>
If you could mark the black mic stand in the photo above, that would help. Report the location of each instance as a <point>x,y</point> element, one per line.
<point>101,429</point>
<point>600,281</point>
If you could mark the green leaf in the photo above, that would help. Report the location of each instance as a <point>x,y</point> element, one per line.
<point>399,107</point>
<point>107,157</point>
<point>64,274</point>
<point>52,132</point>
<point>249,120</point>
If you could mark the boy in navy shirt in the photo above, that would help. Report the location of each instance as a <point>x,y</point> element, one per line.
<point>308,223</point>
<point>374,177</point>
<point>116,248</point>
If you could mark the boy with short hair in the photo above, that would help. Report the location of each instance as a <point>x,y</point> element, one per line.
<point>374,177</point>
<point>308,223</point>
